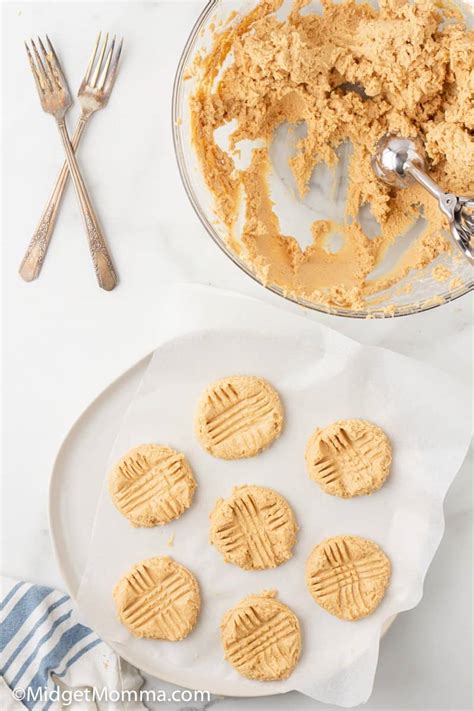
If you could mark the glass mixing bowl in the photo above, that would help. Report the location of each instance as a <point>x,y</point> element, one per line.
<point>418,291</point>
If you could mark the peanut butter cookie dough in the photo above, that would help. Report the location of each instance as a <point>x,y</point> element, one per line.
<point>348,576</point>
<point>152,485</point>
<point>255,528</point>
<point>158,599</point>
<point>238,417</point>
<point>261,637</point>
<point>349,458</point>
<point>351,74</point>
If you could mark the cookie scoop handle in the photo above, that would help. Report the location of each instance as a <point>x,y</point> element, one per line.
<point>399,161</point>
<point>458,210</point>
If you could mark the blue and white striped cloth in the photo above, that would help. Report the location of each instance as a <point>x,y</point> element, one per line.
<point>43,645</point>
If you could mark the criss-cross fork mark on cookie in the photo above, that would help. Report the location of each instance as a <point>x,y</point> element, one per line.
<point>251,527</point>
<point>157,600</point>
<point>152,481</point>
<point>346,576</point>
<point>141,581</point>
<point>274,515</point>
<point>134,467</point>
<point>237,416</point>
<point>262,638</point>
<point>339,453</point>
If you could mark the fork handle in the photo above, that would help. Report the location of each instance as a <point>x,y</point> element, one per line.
<point>32,262</point>
<point>100,255</point>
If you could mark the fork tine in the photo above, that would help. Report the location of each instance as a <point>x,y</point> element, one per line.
<point>99,61</point>
<point>113,69</point>
<point>38,80</point>
<point>57,64</point>
<point>101,80</point>
<point>52,70</point>
<point>42,47</point>
<point>92,59</point>
<point>41,69</point>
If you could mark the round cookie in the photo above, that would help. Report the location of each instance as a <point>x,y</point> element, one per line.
<point>151,485</point>
<point>261,637</point>
<point>348,576</point>
<point>238,417</point>
<point>254,528</point>
<point>349,458</point>
<point>158,599</point>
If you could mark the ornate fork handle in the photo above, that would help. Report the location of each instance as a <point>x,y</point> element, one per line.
<point>100,256</point>
<point>32,262</point>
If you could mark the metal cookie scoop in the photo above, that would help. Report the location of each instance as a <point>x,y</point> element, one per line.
<point>400,161</point>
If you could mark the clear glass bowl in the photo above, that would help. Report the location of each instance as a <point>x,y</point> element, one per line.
<point>418,291</point>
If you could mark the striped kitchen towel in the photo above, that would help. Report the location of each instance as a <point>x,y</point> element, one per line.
<point>44,649</point>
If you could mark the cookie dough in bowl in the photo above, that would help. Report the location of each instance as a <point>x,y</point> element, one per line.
<point>287,103</point>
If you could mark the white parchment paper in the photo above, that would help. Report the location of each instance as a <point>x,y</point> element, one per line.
<point>321,376</point>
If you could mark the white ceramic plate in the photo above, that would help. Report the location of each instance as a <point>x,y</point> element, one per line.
<point>75,487</point>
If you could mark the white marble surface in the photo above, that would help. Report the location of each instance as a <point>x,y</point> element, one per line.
<point>65,340</point>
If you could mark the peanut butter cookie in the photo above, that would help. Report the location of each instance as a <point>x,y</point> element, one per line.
<point>348,576</point>
<point>151,485</point>
<point>254,528</point>
<point>158,599</point>
<point>261,637</point>
<point>349,458</point>
<point>238,416</point>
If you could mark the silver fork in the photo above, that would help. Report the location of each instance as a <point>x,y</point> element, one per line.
<point>56,100</point>
<point>93,94</point>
